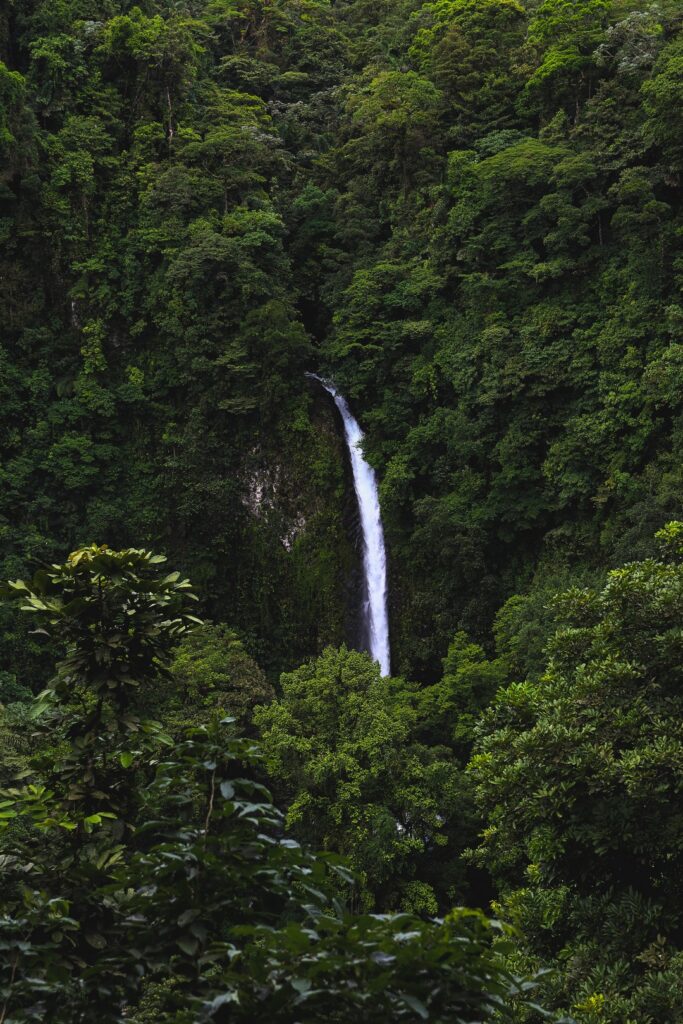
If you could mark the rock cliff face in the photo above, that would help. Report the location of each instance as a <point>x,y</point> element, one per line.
<point>301,540</point>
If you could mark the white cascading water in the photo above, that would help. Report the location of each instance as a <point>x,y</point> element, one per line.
<point>374,552</point>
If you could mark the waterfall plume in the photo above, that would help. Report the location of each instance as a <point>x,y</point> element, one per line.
<point>375,609</point>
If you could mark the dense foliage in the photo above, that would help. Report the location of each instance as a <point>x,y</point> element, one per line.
<point>152,353</point>
<point>343,746</point>
<point>468,213</point>
<point>579,776</point>
<point>134,876</point>
<point>512,322</point>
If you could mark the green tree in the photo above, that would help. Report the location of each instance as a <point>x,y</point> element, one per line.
<point>393,127</point>
<point>578,776</point>
<point>340,745</point>
<point>662,96</point>
<point>215,676</point>
<point>467,47</point>
<point>562,39</point>
<point>71,816</point>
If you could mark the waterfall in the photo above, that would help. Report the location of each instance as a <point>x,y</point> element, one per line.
<point>374,553</point>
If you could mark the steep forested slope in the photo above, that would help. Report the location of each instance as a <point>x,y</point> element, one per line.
<point>469,211</point>
<point>512,320</point>
<point>153,354</point>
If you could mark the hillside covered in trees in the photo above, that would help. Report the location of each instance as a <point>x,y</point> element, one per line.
<point>469,215</point>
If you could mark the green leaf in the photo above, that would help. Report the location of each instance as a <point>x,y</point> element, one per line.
<point>188,945</point>
<point>416,1005</point>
